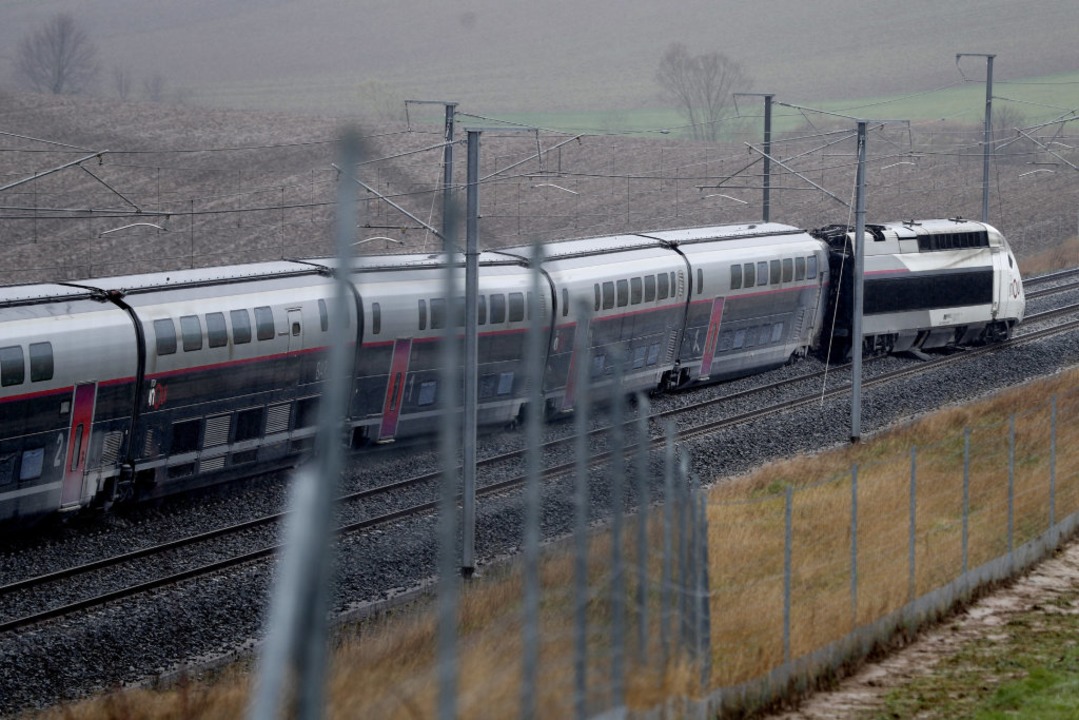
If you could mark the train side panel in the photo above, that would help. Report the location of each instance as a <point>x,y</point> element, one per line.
<point>67,381</point>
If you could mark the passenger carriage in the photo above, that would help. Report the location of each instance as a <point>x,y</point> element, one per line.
<point>755,299</point>
<point>67,383</point>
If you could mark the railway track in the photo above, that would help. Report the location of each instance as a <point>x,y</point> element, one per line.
<point>131,563</point>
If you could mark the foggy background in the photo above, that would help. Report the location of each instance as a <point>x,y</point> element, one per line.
<point>328,56</point>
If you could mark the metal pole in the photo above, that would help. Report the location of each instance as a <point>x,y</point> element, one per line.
<point>1011,484</point>
<point>668,525</point>
<point>580,526</point>
<point>788,539</point>
<point>988,135</point>
<point>912,538</point>
<point>966,496</point>
<point>1053,466</point>
<point>618,510</point>
<point>767,202</point>
<point>859,269</point>
<point>471,411</point>
<point>643,410</point>
<point>854,547</point>
<point>447,174</point>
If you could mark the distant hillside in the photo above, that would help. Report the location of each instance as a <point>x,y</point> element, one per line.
<point>565,54</point>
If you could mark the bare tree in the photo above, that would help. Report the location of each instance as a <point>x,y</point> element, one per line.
<point>58,58</point>
<point>700,86</point>
<point>153,87</point>
<point>121,81</point>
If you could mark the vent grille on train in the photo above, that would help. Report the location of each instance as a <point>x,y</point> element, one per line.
<point>211,464</point>
<point>277,418</point>
<point>110,448</point>
<point>217,430</point>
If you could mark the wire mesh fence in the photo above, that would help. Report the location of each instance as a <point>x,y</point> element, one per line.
<point>682,602</point>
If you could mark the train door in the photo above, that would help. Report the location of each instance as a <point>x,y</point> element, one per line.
<point>711,337</point>
<point>395,389</point>
<point>78,443</point>
<point>295,331</point>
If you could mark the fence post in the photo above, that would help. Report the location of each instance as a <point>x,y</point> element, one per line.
<point>1011,484</point>
<point>788,536</point>
<point>618,507</point>
<point>854,547</point>
<point>668,526</point>
<point>682,491</point>
<point>1053,464</point>
<point>532,497</point>
<point>643,410</point>
<point>704,594</point>
<point>966,495</point>
<point>912,582</point>
<point>580,528</point>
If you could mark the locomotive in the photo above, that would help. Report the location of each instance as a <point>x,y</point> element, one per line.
<point>144,385</point>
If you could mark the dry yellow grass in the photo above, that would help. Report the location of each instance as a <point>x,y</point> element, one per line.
<point>387,668</point>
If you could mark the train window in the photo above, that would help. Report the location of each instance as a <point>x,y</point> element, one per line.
<point>596,288</point>
<point>623,293</point>
<point>725,339</point>
<point>674,286</point>
<point>438,313</point>
<point>191,329</point>
<point>165,332</point>
<point>427,393</point>
<point>811,267</point>
<point>653,354</point>
<point>241,326</point>
<point>216,333</point>
<point>799,268</point>
<point>505,383</point>
<point>736,277</point>
<point>32,463</point>
<point>788,270</point>
<point>636,291</point>
<point>185,436</point>
<point>777,332</point>
<point>248,424</point>
<point>565,302</point>
<point>323,316</point>
<point>662,286</point>
<point>762,273</point>
<point>608,295</point>
<point>700,281</point>
<point>481,310</point>
<point>774,272</point>
<point>498,308</point>
<point>423,314</point>
<point>264,323</point>
<point>529,304</point>
<point>40,361</point>
<point>12,366</point>
<point>649,288</point>
<point>749,275</point>
<point>599,365</point>
<point>739,339</point>
<point>639,356</point>
<point>376,318</point>
<point>517,307</point>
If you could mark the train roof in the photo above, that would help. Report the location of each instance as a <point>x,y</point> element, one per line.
<point>585,247</point>
<point>197,277</point>
<point>11,295</point>
<point>412,261</point>
<point>725,232</point>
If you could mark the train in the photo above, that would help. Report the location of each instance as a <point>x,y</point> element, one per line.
<point>139,386</point>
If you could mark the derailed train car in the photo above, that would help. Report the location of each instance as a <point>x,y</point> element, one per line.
<point>145,385</point>
<point>928,284</point>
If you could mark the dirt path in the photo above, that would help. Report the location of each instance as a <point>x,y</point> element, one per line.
<point>861,695</point>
